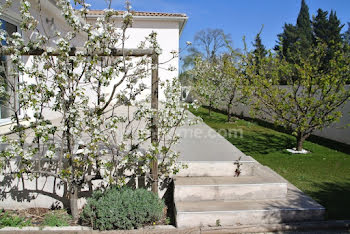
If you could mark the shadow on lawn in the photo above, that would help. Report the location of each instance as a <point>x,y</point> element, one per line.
<point>334,197</point>
<point>262,143</point>
<point>339,146</point>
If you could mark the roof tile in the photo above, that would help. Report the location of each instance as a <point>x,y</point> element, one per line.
<point>142,13</point>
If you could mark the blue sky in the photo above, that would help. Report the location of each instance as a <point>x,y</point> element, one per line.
<point>237,17</point>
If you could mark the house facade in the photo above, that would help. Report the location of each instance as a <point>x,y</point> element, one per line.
<point>168,27</point>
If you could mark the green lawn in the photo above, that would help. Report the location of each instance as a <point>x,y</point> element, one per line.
<point>324,174</point>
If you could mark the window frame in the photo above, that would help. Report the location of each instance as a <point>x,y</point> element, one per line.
<point>16,22</point>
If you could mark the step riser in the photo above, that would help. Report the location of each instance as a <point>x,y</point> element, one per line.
<point>216,169</point>
<point>231,192</point>
<point>247,217</point>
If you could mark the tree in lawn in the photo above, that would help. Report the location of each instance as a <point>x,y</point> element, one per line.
<point>235,88</point>
<point>309,103</point>
<point>207,81</point>
<point>301,33</point>
<point>208,44</point>
<point>94,140</point>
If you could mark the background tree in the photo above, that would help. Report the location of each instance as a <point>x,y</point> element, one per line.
<point>309,103</point>
<point>207,81</point>
<point>208,44</point>
<point>234,87</point>
<point>335,27</point>
<point>328,31</point>
<point>259,51</point>
<point>301,33</point>
<point>286,41</point>
<point>304,29</point>
<point>321,26</point>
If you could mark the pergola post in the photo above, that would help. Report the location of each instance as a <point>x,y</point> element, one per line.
<point>154,121</point>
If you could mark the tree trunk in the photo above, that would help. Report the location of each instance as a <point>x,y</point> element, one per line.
<point>228,112</point>
<point>300,141</point>
<point>73,200</point>
<point>209,109</point>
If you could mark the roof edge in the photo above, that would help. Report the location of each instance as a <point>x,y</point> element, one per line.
<point>96,13</point>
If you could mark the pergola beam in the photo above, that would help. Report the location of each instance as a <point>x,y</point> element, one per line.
<point>4,50</point>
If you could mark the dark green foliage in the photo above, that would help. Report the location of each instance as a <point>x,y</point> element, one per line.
<point>122,209</point>
<point>327,30</point>
<point>304,28</point>
<point>286,41</point>
<point>320,26</point>
<point>306,35</point>
<point>57,219</point>
<point>301,33</point>
<point>259,51</point>
<point>11,220</point>
<point>334,29</point>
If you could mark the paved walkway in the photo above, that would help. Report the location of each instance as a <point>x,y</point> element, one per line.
<point>201,143</point>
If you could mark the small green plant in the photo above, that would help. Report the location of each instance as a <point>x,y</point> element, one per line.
<point>122,209</point>
<point>58,218</point>
<point>11,220</point>
<point>218,223</point>
<point>238,164</point>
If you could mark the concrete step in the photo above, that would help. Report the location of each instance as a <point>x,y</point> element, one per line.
<point>228,188</point>
<point>218,168</point>
<point>295,208</point>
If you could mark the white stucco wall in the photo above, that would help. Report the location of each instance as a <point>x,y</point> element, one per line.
<point>168,36</point>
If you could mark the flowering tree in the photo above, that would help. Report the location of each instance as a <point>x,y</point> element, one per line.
<point>103,132</point>
<point>310,102</point>
<point>235,87</point>
<point>222,82</point>
<point>207,81</point>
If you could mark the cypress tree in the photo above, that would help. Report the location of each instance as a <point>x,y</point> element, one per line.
<point>334,29</point>
<point>286,41</point>
<point>320,26</point>
<point>328,31</point>
<point>260,50</point>
<point>304,28</point>
<point>298,37</point>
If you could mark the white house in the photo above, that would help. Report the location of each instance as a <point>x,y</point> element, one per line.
<point>168,27</point>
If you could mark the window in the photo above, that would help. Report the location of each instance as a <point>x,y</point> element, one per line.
<point>6,80</point>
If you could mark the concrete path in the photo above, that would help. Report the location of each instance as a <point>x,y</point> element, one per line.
<point>201,143</point>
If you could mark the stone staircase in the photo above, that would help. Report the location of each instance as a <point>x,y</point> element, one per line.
<point>209,194</point>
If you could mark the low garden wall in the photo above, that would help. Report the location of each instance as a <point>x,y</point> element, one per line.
<point>28,191</point>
